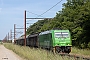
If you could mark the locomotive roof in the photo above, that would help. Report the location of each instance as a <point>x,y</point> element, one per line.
<point>45,32</point>
<point>50,31</point>
<point>33,35</point>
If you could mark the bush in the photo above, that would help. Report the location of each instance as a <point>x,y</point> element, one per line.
<point>83,45</point>
<point>89,45</point>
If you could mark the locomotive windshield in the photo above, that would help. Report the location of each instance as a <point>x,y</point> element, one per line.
<point>61,34</point>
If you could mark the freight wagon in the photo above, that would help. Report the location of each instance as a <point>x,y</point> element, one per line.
<point>32,40</point>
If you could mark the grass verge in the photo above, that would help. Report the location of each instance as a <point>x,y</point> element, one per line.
<point>80,51</point>
<point>34,54</point>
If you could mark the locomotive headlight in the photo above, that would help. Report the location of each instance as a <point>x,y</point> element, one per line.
<point>67,44</point>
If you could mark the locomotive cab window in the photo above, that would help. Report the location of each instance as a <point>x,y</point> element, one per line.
<point>61,34</point>
<point>65,34</point>
<point>58,34</point>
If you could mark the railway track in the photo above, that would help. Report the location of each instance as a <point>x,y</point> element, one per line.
<point>75,56</point>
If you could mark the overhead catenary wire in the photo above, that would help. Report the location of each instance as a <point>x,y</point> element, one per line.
<point>50,8</point>
<point>19,31</point>
<point>34,13</point>
<point>45,11</point>
<point>20,26</point>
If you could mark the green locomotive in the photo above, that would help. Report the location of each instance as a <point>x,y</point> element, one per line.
<point>56,40</point>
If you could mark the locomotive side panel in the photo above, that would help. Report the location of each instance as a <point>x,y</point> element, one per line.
<point>45,40</point>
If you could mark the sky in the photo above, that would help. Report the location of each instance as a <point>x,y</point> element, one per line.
<point>12,12</point>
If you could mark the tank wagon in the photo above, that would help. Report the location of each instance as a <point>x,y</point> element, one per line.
<point>55,40</point>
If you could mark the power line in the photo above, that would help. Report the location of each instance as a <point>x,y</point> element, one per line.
<point>34,13</point>
<point>18,32</point>
<point>46,10</point>
<point>50,8</point>
<point>20,25</point>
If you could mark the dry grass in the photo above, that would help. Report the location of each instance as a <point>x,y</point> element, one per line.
<point>34,54</point>
<point>81,51</point>
<point>28,53</point>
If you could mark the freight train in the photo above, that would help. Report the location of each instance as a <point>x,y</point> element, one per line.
<point>54,40</point>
